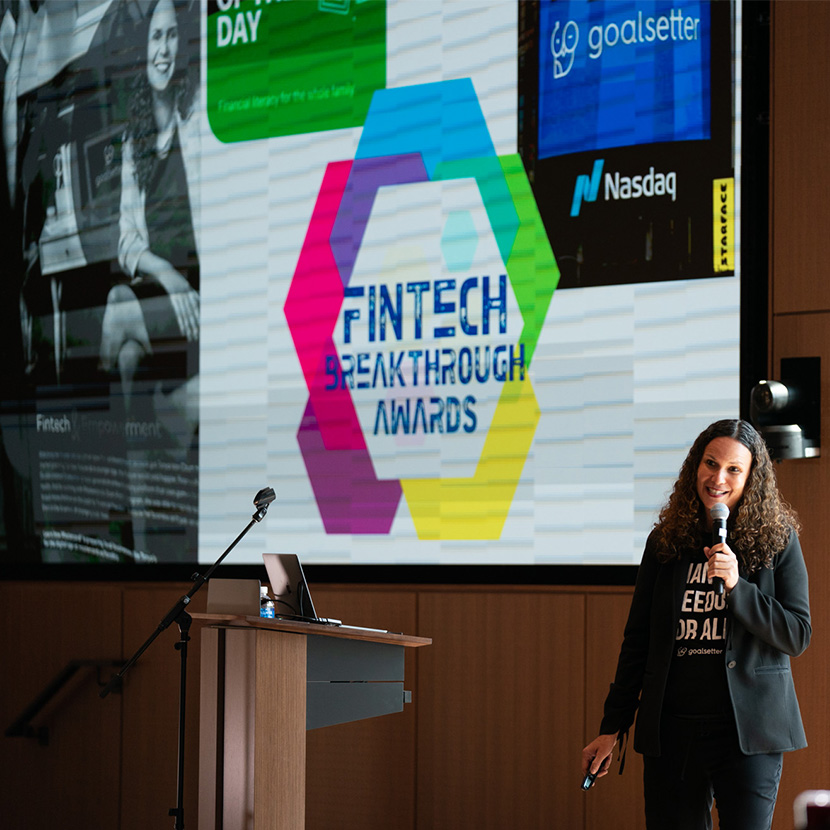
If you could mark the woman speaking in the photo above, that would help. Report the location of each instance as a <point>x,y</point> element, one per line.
<point>710,671</point>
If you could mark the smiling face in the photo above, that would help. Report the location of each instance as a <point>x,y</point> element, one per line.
<point>723,473</point>
<point>162,46</point>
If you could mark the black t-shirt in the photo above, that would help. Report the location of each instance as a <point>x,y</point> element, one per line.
<point>697,677</point>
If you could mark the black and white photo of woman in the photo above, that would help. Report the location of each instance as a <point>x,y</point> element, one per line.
<point>150,328</point>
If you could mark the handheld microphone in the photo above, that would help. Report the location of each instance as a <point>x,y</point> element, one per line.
<point>719,514</point>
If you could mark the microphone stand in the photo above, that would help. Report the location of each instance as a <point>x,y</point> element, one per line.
<point>179,615</point>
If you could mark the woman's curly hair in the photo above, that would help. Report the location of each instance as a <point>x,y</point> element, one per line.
<point>142,129</point>
<point>762,523</point>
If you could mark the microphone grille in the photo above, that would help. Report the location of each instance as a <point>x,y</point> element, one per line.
<point>719,511</point>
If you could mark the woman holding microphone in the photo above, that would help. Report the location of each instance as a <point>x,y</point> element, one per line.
<point>708,671</point>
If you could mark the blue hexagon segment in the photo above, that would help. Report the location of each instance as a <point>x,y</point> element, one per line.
<point>442,121</point>
<point>459,241</point>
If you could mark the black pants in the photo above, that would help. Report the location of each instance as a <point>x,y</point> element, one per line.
<point>702,761</point>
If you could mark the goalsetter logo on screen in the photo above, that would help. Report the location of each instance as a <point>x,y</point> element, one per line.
<point>414,350</point>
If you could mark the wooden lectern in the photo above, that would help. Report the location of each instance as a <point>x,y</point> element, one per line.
<point>263,684</point>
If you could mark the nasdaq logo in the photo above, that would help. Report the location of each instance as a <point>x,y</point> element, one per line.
<point>587,187</point>
<point>621,187</point>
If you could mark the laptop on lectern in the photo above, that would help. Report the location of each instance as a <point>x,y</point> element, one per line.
<point>289,586</point>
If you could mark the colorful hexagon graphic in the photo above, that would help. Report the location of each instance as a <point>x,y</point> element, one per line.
<point>426,133</point>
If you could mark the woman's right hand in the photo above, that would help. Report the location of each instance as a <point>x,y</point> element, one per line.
<point>184,299</point>
<point>596,757</point>
<point>185,302</point>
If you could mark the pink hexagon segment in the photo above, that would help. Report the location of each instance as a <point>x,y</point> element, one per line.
<point>349,495</point>
<point>316,292</point>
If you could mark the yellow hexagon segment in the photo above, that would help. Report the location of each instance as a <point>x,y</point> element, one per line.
<point>477,507</point>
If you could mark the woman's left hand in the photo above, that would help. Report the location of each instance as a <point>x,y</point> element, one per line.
<point>723,563</point>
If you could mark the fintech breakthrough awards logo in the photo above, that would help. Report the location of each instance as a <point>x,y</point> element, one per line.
<point>417,301</point>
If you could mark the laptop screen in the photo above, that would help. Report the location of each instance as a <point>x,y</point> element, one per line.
<point>289,586</point>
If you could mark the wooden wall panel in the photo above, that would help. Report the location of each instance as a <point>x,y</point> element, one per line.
<point>362,775</point>
<point>800,163</point>
<point>151,709</point>
<point>614,794</point>
<point>501,710</point>
<point>72,782</point>
<point>800,291</point>
<point>504,701</point>
<point>804,482</point>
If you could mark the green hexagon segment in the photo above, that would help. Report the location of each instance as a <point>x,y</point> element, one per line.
<point>531,266</point>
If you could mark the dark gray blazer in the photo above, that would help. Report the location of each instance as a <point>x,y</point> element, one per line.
<point>768,621</point>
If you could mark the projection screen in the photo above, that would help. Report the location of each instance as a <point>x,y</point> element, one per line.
<point>459,280</point>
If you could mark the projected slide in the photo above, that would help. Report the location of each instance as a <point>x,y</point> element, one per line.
<point>338,249</point>
<point>632,156</point>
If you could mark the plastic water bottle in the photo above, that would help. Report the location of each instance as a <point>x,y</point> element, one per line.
<point>266,604</point>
